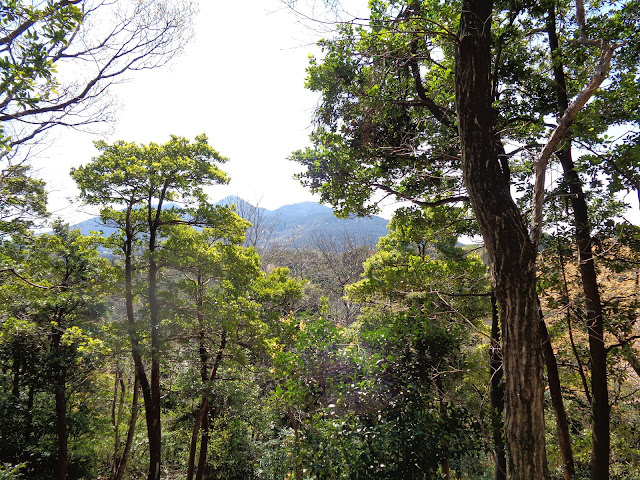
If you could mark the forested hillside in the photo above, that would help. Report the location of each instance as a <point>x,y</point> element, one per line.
<point>294,226</point>
<point>192,339</point>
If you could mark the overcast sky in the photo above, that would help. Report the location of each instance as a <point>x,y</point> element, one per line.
<point>240,81</point>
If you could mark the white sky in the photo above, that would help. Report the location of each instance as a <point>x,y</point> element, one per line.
<point>240,81</point>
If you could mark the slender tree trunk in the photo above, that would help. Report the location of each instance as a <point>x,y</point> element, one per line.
<point>497,393</point>
<point>599,391</point>
<point>155,434</point>
<point>61,427</point>
<point>204,446</point>
<point>133,334</point>
<point>60,380</point>
<point>117,406</point>
<point>126,452</point>
<point>204,406</point>
<point>444,465</point>
<point>296,445</point>
<point>203,352</point>
<point>201,417</point>
<point>511,252</point>
<point>562,425</point>
<point>29,420</point>
<point>15,390</point>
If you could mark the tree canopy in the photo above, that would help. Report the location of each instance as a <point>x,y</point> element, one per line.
<point>447,103</point>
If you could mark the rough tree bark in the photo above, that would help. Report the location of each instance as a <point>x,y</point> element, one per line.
<point>511,252</point>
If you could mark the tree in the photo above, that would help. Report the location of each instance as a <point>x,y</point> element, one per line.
<point>63,307</point>
<point>58,60</point>
<point>383,397</point>
<point>218,295</point>
<point>426,302</point>
<point>144,179</point>
<point>79,274</point>
<point>25,201</point>
<point>425,101</point>
<point>94,42</point>
<point>215,273</point>
<point>561,288</point>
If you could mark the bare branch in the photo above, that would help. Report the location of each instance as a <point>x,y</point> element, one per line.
<point>422,203</point>
<point>560,133</point>
<point>581,19</point>
<point>14,272</point>
<point>114,38</point>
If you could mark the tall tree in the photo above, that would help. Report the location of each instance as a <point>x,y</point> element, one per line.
<point>424,102</point>
<point>215,272</point>
<point>574,188</point>
<point>72,283</point>
<point>144,179</point>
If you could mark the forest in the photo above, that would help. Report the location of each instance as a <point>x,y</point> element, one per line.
<point>493,333</point>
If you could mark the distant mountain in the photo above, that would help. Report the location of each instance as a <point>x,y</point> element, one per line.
<point>299,224</point>
<point>93,224</point>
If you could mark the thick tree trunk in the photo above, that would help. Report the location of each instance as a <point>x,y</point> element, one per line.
<point>512,254</point>
<point>497,394</point>
<point>600,393</point>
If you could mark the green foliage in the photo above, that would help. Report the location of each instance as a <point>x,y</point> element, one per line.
<point>43,43</point>
<point>386,120</point>
<point>377,399</point>
<point>370,122</point>
<point>30,32</point>
<point>49,331</point>
<point>22,201</point>
<point>560,290</point>
<point>386,125</point>
<point>10,472</point>
<point>128,174</point>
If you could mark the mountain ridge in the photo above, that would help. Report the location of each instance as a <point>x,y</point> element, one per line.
<point>295,225</point>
